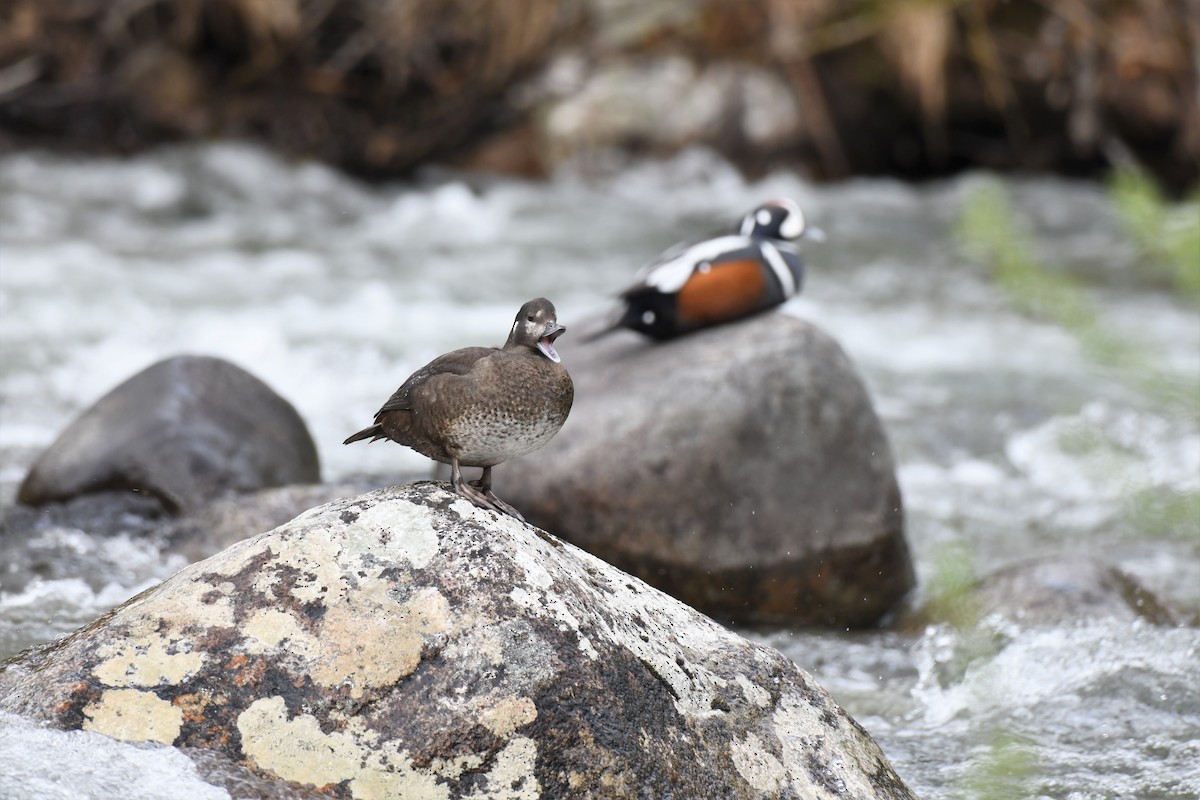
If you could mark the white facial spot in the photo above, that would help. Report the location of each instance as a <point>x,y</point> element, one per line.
<point>703,267</point>
<point>648,317</point>
<point>763,216</point>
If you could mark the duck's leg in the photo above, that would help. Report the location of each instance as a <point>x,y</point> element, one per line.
<point>480,492</point>
<point>468,490</point>
<point>484,484</point>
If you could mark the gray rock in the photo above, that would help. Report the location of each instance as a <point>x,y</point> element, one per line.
<point>185,430</point>
<point>741,469</point>
<point>404,643</point>
<point>1054,591</point>
<point>228,520</point>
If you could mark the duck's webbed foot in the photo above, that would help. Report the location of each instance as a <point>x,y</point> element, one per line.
<point>480,492</point>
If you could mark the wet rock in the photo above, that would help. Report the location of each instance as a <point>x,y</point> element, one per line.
<point>229,520</point>
<point>184,430</point>
<point>1057,590</point>
<point>405,643</point>
<point>43,542</point>
<point>741,469</point>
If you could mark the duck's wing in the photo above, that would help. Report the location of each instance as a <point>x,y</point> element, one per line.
<point>456,362</point>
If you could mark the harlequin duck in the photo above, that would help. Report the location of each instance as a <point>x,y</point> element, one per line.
<point>718,280</point>
<point>481,406</point>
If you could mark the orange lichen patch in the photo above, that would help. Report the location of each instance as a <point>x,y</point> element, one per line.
<point>73,693</point>
<point>725,291</point>
<point>193,706</point>
<point>251,674</point>
<point>237,662</point>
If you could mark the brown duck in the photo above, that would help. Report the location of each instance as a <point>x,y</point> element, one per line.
<point>482,406</point>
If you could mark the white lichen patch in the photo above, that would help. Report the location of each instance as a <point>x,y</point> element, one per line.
<point>379,785</point>
<point>512,776</point>
<point>232,559</point>
<point>401,531</point>
<point>133,716</point>
<point>549,603</point>
<point>373,640</point>
<point>182,601</point>
<point>486,642</point>
<point>453,768</point>
<point>756,765</point>
<point>269,628</point>
<point>363,643</point>
<point>147,663</point>
<point>658,630</point>
<point>807,738</point>
<point>508,714</point>
<point>753,692</point>
<point>297,750</point>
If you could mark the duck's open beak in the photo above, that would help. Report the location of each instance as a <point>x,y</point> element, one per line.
<point>546,343</point>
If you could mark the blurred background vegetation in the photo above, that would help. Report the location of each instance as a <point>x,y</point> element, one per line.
<point>913,88</point>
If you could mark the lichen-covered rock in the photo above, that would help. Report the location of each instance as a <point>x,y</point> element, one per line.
<point>185,430</point>
<point>741,469</point>
<point>404,643</point>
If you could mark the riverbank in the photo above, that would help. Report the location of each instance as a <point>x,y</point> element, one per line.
<point>911,89</point>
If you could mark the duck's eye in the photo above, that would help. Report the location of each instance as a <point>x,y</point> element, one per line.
<point>529,318</point>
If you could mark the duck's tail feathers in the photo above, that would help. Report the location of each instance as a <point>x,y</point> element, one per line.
<point>374,432</point>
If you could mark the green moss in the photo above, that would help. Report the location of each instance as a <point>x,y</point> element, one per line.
<point>1166,514</point>
<point>952,588</point>
<point>1004,772</point>
<point>989,230</point>
<point>1167,234</point>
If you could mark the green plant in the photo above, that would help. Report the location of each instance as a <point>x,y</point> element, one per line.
<point>951,588</point>
<point>1004,772</point>
<point>989,230</point>
<point>1168,234</point>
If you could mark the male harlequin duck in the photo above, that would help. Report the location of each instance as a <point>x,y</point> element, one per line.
<point>481,406</point>
<point>720,279</point>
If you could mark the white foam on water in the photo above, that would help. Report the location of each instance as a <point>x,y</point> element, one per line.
<point>1107,704</point>
<point>93,766</point>
<point>1108,453</point>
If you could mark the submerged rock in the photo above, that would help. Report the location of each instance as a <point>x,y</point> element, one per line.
<point>185,430</point>
<point>741,469</point>
<point>1054,591</point>
<point>404,643</point>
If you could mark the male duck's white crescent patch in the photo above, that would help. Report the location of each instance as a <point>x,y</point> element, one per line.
<point>670,276</point>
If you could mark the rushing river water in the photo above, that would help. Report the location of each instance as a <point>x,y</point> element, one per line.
<point>1011,443</point>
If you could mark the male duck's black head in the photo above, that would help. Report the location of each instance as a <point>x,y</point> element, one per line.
<point>779,219</point>
<point>536,326</point>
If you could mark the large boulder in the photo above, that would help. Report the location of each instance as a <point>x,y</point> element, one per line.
<point>741,469</point>
<point>404,643</point>
<point>184,430</point>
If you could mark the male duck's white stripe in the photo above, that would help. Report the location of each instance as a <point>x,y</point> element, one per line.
<point>775,261</point>
<point>670,276</point>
